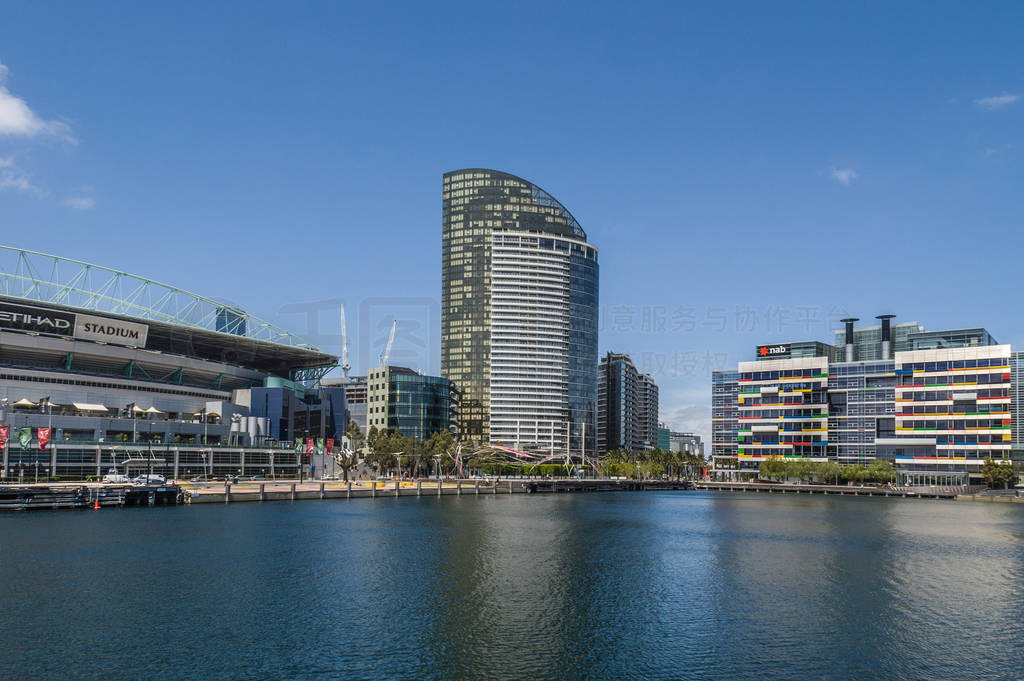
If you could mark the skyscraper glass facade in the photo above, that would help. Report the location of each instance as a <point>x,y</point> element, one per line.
<point>415,405</point>
<point>519,313</point>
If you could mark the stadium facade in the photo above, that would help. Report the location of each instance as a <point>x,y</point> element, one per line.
<point>101,369</point>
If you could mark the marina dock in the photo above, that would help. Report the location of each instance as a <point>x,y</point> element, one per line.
<point>918,492</point>
<point>24,497</point>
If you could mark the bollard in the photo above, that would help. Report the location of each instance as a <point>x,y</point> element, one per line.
<point>348,490</point>
<point>458,487</point>
<point>322,497</point>
<point>373,489</point>
<point>476,487</point>
<point>293,491</point>
<point>510,487</point>
<point>438,485</point>
<point>263,495</point>
<point>494,487</point>
<point>227,492</point>
<point>397,483</point>
<point>419,485</point>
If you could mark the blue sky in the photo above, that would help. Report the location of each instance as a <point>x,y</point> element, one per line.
<point>749,171</point>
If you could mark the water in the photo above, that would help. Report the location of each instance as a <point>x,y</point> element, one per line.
<point>597,586</point>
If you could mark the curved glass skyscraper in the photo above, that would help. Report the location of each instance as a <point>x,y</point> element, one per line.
<point>519,292</point>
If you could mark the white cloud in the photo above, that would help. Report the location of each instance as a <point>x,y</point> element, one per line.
<point>688,410</point>
<point>996,102</point>
<point>843,175</point>
<point>995,151</point>
<point>13,178</point>
<point>17,119</point>
<point>79,202</point>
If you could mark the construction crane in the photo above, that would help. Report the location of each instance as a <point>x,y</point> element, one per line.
<point>387,348</point>
<point>345,366</point>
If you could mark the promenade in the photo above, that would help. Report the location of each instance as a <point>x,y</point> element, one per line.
<point>226,492</point>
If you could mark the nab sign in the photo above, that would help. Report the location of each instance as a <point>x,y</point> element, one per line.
<point>773,351</point>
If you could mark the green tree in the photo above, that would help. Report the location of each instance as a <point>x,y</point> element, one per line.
<point>439,445</point>
<point>772,468</point>
<point>998,473</point>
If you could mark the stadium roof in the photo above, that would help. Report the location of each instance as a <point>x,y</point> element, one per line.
<point>76,285</point>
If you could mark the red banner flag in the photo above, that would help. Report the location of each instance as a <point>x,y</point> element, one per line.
<point>330,444</point>
<point>5,433</point>
<point>309,446</point>
<point>44,437</point>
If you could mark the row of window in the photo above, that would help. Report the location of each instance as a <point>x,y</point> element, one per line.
<point>935,395</point>
<point>981,379</point>
<point>956,364</point>
<point>785,373</point>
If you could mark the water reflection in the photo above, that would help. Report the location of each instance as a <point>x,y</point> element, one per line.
<point>616,586</point>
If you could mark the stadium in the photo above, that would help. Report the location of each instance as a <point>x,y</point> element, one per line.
<point>101,369</point>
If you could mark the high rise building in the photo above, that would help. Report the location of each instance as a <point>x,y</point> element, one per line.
<point>935,404</point>
<point>618,420</point>
<point>627,415</point>
<point>647,411</point>
<point>519,294</point>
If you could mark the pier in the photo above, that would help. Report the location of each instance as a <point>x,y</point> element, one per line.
<point>85,495</point>
<point>221,493</point>
<point>935,492</point>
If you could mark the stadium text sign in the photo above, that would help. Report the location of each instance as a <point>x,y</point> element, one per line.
<point>60,323</point>
<point>111,331</point>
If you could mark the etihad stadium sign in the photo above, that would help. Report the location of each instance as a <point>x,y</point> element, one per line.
<point>59,323</point>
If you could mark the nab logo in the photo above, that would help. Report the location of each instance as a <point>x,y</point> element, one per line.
<point>772,350</point>
<point>763,351</point>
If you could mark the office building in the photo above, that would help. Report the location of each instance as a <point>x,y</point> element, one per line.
<point>685,443</point>
<point>519,314</point>
<point>355,397</point>
<point>664,438</point>
<point>415,405</point>
<point>935,404</point>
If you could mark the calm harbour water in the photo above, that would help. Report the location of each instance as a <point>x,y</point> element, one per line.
<point>672,585</point>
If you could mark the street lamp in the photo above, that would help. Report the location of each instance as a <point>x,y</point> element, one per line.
<point>3,420</point>
<point>129,410</point>
<point>236,429</point>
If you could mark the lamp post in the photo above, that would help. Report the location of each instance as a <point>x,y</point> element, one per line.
<point>236,428</point>
<point>130,413</point>
<point>44,408</point>
<point>3,421</point>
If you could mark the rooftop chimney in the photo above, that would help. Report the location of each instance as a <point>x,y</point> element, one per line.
<point>886,335</point>
<point>849,336</point>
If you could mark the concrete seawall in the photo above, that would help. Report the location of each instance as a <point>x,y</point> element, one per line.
<point>222,493</point>
<point>294,491</point>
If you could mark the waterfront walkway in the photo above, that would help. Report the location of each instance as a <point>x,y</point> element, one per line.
<point>919,492</point>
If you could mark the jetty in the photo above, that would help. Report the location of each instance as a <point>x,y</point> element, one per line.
<point>910,492</point>
<point>40,496</point>
<point>228,492</point>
